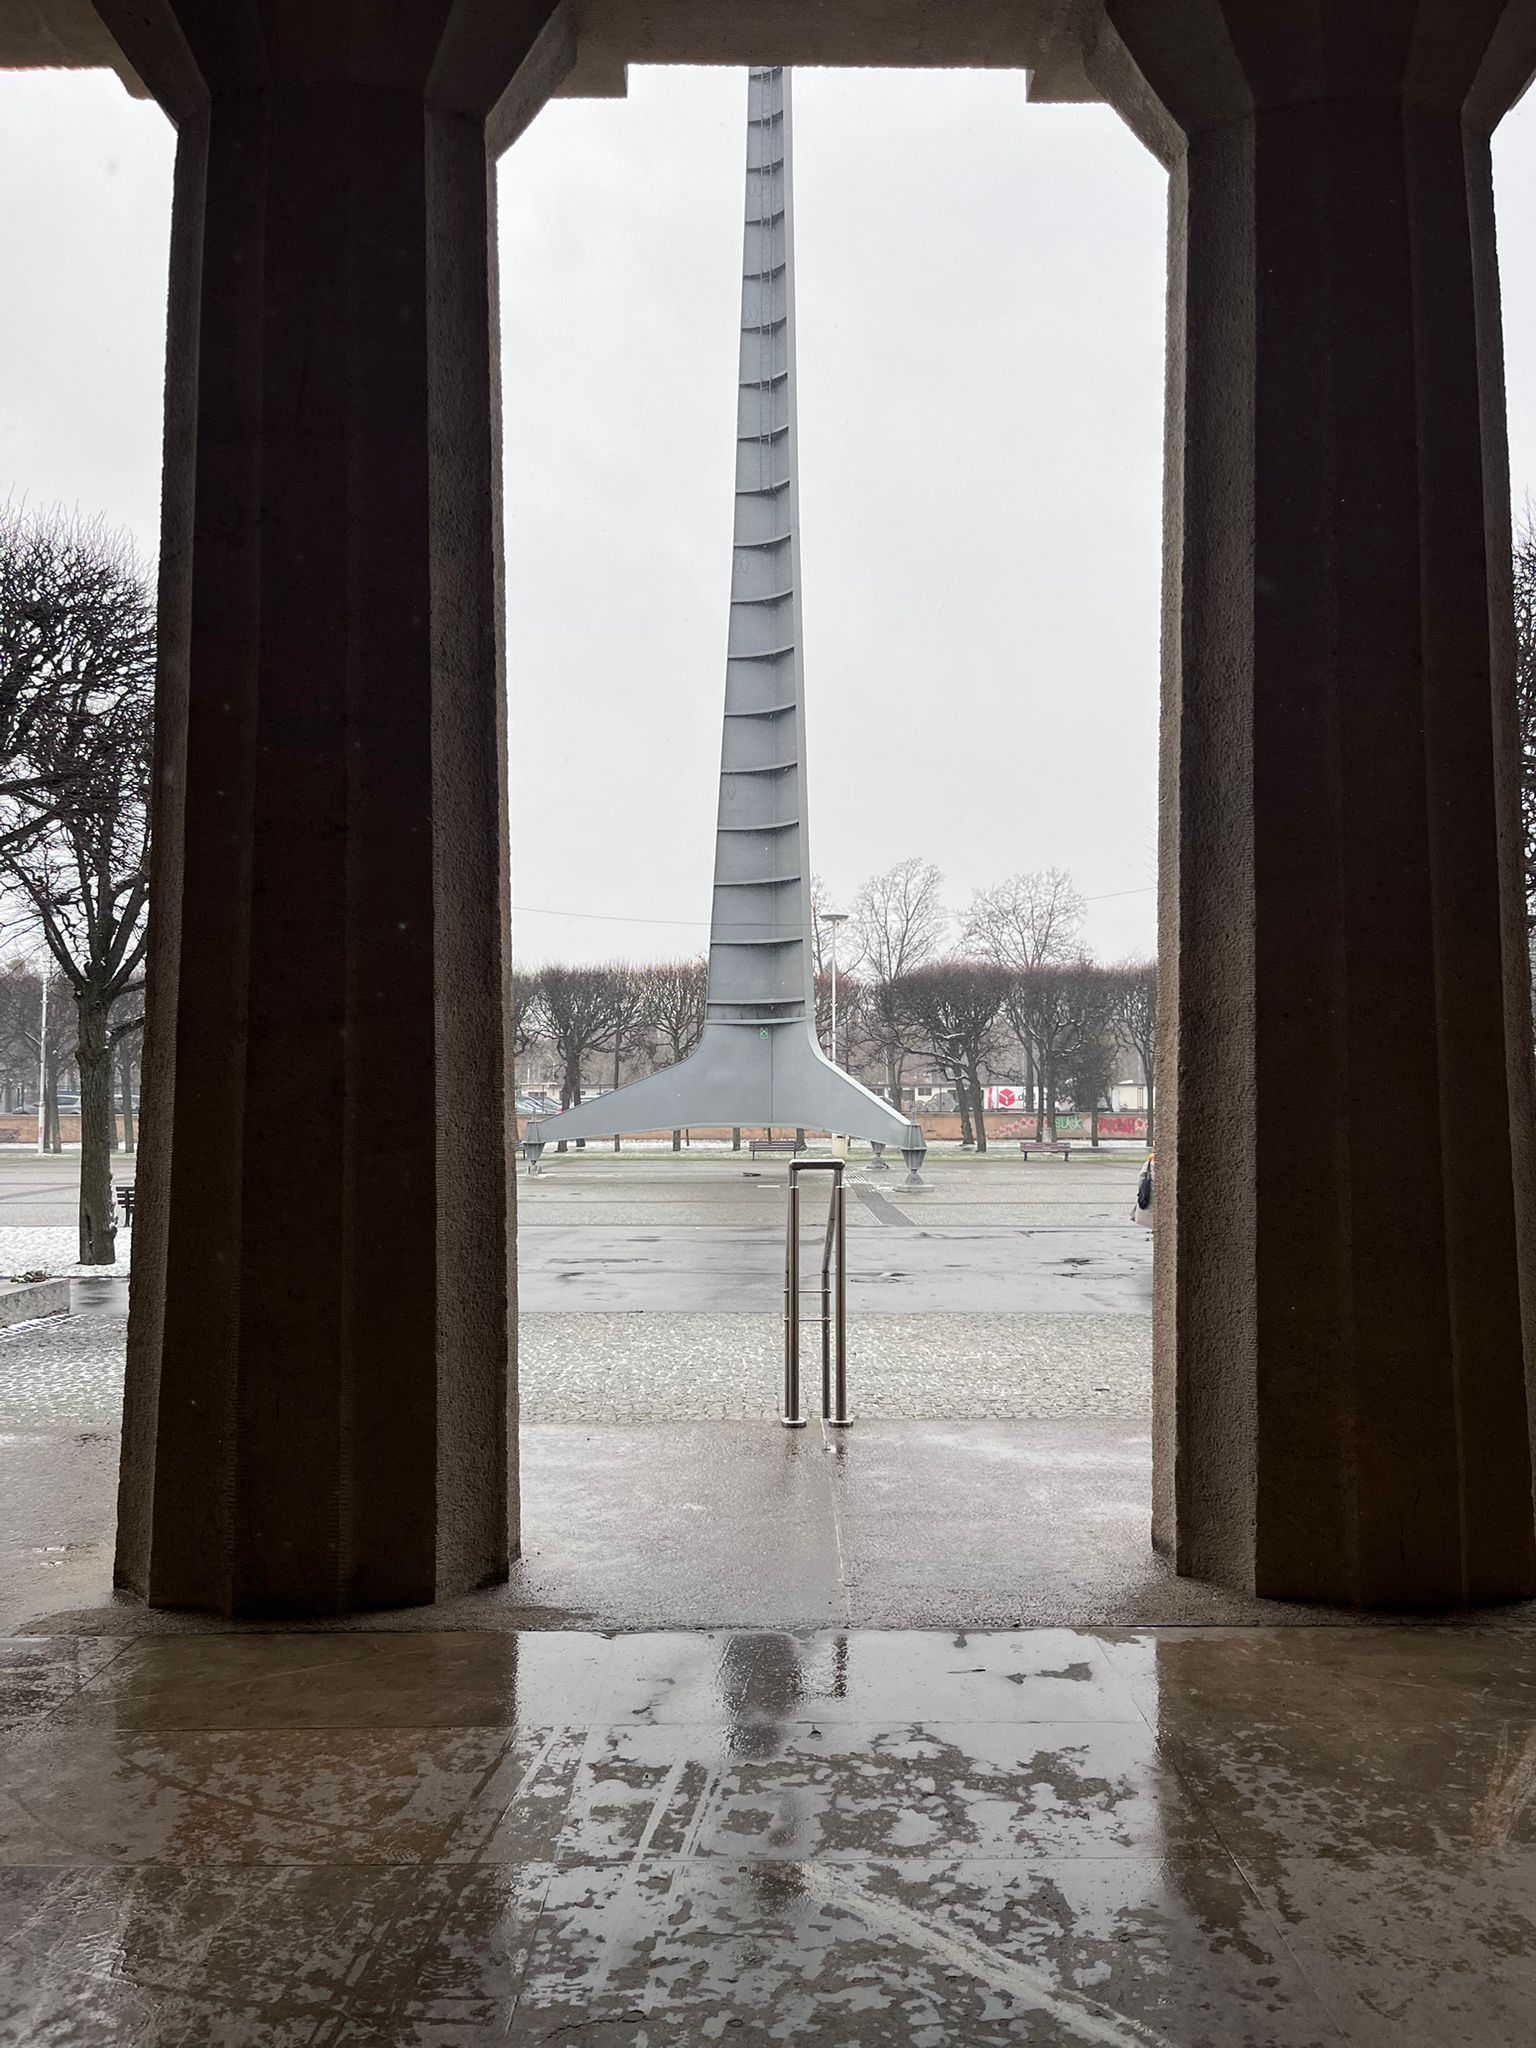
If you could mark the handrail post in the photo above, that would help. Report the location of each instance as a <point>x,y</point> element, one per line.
<point>826,1315</point>
<point>834,1299</point>
<point>836,1167</point>
<point>793,1419</point>
<point>839,1418</point>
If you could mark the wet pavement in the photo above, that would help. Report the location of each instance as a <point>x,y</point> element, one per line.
<point>1182,1839</point>
<point>992,1236</point>
<point>979,1525</point>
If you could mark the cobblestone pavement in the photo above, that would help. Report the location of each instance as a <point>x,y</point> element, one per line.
<point>653,1368</point>
<point>67,1372</point>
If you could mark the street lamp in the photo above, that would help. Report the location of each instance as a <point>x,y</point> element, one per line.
<point>42,1057</point>
<point>834,918</point>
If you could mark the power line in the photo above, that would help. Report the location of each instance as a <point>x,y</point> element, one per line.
<point>700,923</point>
<point>602,916</point>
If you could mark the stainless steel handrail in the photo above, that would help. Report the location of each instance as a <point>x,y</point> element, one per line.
<point>834,1300</point>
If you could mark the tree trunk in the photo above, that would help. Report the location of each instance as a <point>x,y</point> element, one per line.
<point>962,1103</point>
<point>1047,1099</point>
<point>735,1137</point>
<point>570,1097</point>
<point>98,1221</point>
<point>616,1145</point>
<point>125,1072</point>
<point>978,1109</point>
<point>893,1088</point>
<point>1093,1126</point>
<point>677,1140</point>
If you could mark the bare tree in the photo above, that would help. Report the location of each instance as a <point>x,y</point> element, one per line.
<point>626,1020</point>
<point>128,1041</point>
<point>573,1002</point>
<point>898,923</point>
<point>1034,919</point>
<point>1085,1062</point>
<point>822,934</point>
<point>89,878</point>
<point>20,1017</point>
<point>75,618</point>
<point>74,828</point>
<point>898,920</point>
<point>674,995</point>
<point>1056,1008</point>
<point>21,1022</point>
<point>526,1013</point>
<point>1134,1017</point>
<point>851,992</point>
<point>948,1012</point>
<point>674,1005</point>
<point>820,906</point>
<point>1031,920</point>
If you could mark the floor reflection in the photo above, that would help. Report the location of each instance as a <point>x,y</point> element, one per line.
<point>1180,1837</point>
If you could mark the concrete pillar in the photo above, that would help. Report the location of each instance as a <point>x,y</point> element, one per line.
<point>317,1412</point>
<point>1345,1201</point>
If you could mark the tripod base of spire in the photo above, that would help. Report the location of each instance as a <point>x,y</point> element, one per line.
<point>770,1076</point>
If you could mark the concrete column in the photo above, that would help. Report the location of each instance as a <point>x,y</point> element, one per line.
<point>317,1413</point>
<point>1346,1234</point>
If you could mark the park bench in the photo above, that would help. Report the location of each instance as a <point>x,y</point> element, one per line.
<point>125,1202</point>
<point>756,1146</point>
<point>1061,1145</point>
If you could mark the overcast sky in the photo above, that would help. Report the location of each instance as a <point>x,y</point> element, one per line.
<point>980,307</point>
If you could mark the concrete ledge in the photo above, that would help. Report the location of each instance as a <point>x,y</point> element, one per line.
<point>22,1301</point>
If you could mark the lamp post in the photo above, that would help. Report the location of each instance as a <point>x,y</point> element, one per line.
<point>834,918</point>
<point>42,1059</point>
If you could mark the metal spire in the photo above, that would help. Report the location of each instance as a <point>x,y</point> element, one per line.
<point>758,1061</point>
<point>760,953</point>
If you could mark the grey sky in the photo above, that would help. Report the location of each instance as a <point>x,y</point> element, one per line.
<point>980,351</point>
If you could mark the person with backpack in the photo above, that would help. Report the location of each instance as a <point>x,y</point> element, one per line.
<point>1142,1212</point>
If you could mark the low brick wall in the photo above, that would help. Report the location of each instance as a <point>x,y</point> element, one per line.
<point>22,1130</point>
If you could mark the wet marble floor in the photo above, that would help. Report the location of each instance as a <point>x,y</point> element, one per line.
<point>1200,1838</point>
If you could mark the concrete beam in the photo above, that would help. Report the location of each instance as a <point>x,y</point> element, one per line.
<point>61,35</point>
<point>1039,36</point>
